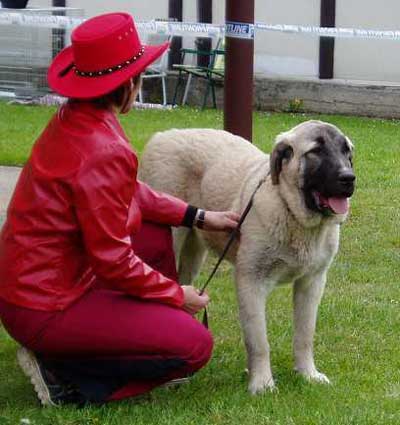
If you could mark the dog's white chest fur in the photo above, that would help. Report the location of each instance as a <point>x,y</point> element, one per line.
<point>284,258</point>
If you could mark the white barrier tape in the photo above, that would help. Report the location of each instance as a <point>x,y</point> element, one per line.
<point>37,20</point>
<point>194,29</point>
<point>331,32</point>
<point>246,31</point>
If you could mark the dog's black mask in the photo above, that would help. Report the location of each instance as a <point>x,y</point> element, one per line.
<point>328,175</point>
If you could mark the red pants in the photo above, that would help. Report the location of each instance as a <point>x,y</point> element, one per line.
<point>111,345</point>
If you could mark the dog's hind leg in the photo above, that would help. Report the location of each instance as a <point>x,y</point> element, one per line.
<point>179,235</point>
<point>191,253</point>
<point>307,293</point>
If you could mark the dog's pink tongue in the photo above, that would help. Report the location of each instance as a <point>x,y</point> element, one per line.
<point>339,205</point>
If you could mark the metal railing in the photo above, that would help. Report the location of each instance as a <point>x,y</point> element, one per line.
<point>26,50</point>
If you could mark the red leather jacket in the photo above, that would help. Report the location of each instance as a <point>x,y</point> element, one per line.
<point>74,208</point>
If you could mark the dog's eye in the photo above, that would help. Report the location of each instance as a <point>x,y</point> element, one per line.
<point>316,151</point>
<point>345,149</point>
<point>287,153</point>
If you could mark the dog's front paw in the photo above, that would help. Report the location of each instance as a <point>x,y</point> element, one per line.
<point>261,383</point>
<point>315,376</point>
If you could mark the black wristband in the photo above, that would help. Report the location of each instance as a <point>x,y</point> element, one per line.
<point>190,215</point>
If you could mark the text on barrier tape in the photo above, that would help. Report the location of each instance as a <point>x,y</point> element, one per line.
<point>239,30</point>
<point>195,29</point>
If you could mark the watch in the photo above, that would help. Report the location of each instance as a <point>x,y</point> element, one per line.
<point>200,218</point>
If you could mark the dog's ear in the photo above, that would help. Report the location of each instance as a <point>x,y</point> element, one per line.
<point>349,143</point>
<point>282,151</point>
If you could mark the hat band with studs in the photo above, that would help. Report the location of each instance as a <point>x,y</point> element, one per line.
<point>111,69</point>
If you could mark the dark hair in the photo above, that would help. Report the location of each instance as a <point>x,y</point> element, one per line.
<point>114,98</point>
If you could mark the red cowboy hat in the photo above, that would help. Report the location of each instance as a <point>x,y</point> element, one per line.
<point>106,51</point>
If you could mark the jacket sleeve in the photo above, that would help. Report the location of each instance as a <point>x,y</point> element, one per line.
<point>160,207</point>
<point>103,192</point>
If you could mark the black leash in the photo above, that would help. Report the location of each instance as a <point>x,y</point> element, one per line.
<point>232,237</point>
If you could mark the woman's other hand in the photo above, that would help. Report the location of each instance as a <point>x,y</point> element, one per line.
<point>220,220</point>
<point>193,301</point>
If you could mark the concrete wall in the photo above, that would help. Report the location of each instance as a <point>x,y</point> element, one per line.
<point>285,55</point>
<point>376,60</point>
<point>148,9</point>
<point>306,95</point>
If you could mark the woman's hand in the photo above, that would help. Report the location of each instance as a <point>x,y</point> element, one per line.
<point>193,302</point>
<point>220,220</point>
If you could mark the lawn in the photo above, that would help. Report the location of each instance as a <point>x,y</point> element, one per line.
<point>358,335</point>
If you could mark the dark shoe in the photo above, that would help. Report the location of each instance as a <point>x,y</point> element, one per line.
<point>49,391</point>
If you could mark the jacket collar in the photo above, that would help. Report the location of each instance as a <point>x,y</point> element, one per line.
<point>93,112</point>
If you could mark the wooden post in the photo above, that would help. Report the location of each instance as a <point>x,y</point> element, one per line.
<point>327,44</point>
<point>58,35</point>
<point>175,12</point>
<point>238,92</point>
<point>204,14</point>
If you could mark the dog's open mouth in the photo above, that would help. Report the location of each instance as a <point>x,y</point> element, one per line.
<point>334,205</point>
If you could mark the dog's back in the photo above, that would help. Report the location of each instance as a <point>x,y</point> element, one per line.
<point>186,162</point>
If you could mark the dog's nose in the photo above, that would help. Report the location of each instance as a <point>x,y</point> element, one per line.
<point>346,178</point>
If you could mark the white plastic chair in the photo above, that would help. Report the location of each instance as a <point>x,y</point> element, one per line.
<point>157,69</point>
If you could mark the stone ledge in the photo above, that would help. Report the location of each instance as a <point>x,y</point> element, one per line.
<point>329,96</point>
<point>363,98</point>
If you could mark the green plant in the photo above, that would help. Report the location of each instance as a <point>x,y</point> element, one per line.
<point>295,105</point>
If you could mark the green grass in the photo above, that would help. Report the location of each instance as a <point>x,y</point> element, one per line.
<point>357,341</point>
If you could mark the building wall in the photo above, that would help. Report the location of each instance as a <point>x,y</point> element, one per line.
<point>289,55</point>
<point>278,54</point>
<point>376,60</point>
<point>286,55</point>
<point>141,10</point>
